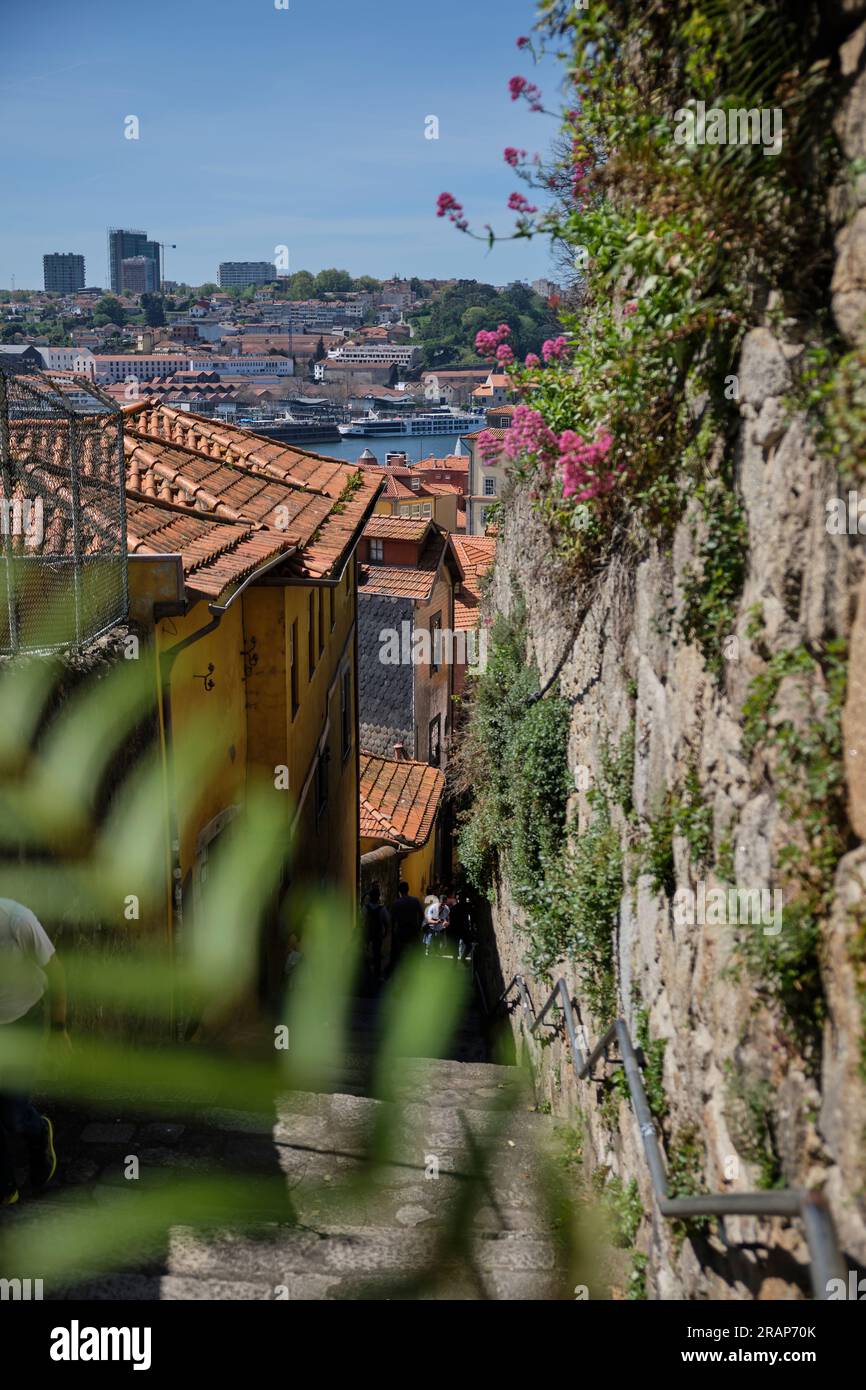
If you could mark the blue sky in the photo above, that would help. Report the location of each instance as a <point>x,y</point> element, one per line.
<point>261,127</point>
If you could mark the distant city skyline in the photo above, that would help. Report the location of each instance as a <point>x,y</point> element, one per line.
<point>254,128</point>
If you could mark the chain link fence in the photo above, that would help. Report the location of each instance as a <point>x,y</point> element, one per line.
<point>63,571</point>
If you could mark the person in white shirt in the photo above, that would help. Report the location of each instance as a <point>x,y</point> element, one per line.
<point>30,975</point>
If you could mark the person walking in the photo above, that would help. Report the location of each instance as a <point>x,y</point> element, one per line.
<point>407,921</point>
<point>463,926</point>
<point>376,924</point>
<point>432,923</point>
<point>31,976</point>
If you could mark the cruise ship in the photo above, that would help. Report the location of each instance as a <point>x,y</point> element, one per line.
<point>430,422</point>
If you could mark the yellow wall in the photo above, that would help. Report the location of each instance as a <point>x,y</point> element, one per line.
<point>416,868</point>
<point>242,710</point>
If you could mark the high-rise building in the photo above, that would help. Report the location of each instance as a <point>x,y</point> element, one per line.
<point>138,275</point>
<point>240,274</point>
<point>125,245</point>
<point>63,271</point>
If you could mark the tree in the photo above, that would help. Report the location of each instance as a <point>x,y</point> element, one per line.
<point>109,309</point>
<point>333,282</point>
<point>320,350</point>
<point>301,285</point>
<point>154,310</point>
<point>208,289</point>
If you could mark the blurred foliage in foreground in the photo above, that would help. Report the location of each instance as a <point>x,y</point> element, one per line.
<point>82,828</point>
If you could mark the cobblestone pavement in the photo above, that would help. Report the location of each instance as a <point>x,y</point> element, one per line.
<point>326,1246</point>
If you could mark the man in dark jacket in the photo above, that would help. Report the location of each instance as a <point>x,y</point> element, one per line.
<point>407,918</point>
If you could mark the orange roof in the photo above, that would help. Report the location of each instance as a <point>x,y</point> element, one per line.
<point>394,488</point>
<point>223,516</point>
<point>216,555</point>
<point>496,434</point>
<point>399,800</point>
<point>439,489</point>
<point>453,463</point>
<point>405,581</point>
<point>315,503</point>
<point>396,528</point>
<point>475,556</point>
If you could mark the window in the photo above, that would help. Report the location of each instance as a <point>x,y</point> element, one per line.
<point>434,746</point>
<point>489,487</point>
<point>435,642</point>
<point>377,552</point>
<point>346,712</point>
<point>332,607</point>
<point>311,635</point>
<point>293,656</point>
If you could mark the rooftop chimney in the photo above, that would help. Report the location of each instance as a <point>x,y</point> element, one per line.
<point>399,752</point>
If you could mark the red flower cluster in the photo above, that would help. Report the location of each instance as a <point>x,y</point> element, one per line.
<point>488,343</point>
<point>513,156</point>
<point>518,203</point>
<point>522,87</point>
<point>554,349</point>
<point>580,463</point>
<point>447,205</point>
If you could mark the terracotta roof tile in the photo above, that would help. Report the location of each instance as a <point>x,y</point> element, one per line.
<point>475,556</point>
<point>396,528</point>
<point>317,503</point>
<point>399,799</point>
<point>405,581</point>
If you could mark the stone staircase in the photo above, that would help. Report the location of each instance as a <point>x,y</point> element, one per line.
<point>456,1209</point>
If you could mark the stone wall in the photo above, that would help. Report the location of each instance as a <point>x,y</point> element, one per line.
<point>629,668</point>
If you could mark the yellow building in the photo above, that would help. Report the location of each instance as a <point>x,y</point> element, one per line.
<point>400,805</point>
<point>242,571</point>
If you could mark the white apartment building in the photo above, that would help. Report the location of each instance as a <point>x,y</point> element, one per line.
<point>400,353</point>
<point>63,359</point>
<point>102,367</point>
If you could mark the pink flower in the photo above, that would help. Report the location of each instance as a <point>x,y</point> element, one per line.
<point>630,308</point>
<point>487,341</point>
<point>517,203</point>
<point>523,41</point>
<point>584,475</point>
<point>533,360</point>
<point>517,86</point>
<point>530,436</point>
<point>554,349</point>
<point>513,156</point>
<point>521,87</point>
<point>504,354</point>
<point>488,447</point>
<point>447,204</point>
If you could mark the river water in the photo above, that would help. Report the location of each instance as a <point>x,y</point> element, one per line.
<point>416,447</point>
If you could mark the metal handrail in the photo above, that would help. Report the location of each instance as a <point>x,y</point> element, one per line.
<point>810,1205</point>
